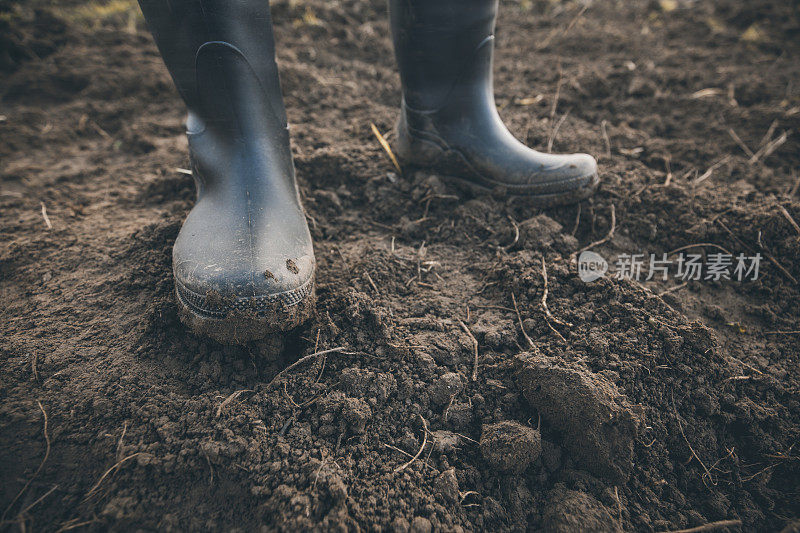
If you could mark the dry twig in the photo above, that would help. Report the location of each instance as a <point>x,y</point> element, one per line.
<point>544,298</point>
<point>709,527</point>
<point>300,362</point>
<point>108,472</point>
<point>604,239</point>
<point>572,23</point>
<point>474,346</point>
<point>372,283</point>
<point>789,218</point>
<point>419,452</point>
<point>694,453</point>
<point>519,318</point>
<point>41,465</point>
<point>673,289</point>
<point>230,399</point>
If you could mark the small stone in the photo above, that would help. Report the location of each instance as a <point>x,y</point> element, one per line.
<point>510,446</point>
<point>445,388</point>
<point>421,525</point>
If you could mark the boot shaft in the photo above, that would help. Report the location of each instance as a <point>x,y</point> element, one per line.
<point>221,55</point>
<point>442,44</point>
<point>204,43</point>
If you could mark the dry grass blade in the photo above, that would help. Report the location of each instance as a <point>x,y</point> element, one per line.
<point>794,188</point>
<point>75,524</point>
<point>554,134</point>
<point>546,42</point>
<point>371,282</point>
<point>516,235</point>
<point>606,138</point>
<point>707,93</point>
<point>707,174</point>
<point>740,142</point>
<point>769,148</point>
<point>39,500</point>
<point>673,289</point>
<point>768,255</point>
<point>395,448</point>
<point>45,217</point>
<point>557,96</point>
<point>767,136</point>
<point>386,147</point>
<point>699,245</point>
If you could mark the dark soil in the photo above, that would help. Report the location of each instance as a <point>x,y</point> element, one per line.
<point>628,409</point>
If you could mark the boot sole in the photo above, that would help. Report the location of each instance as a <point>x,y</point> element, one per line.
<point>429,156</point>
<point>238,320</point>
<point>583,188</point>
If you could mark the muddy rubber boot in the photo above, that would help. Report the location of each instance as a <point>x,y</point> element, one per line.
<point>449,122</point>
<point>243,261</point>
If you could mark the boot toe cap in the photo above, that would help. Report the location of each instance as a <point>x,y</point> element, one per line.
<point>215,290</point>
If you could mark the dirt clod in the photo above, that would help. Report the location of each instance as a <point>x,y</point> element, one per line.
<point>571,511</point>
<point>510,446</point>
<point>357,413</point>
<point>444,389</point>
<point>596,421</point>
<point>421,524</point>
<point>447,486</point>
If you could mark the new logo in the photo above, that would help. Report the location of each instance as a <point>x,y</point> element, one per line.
<point>591,266</point>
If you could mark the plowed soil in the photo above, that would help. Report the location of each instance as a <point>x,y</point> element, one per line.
<point>605,406</point>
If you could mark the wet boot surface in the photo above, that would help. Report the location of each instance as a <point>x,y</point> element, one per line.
<point>626,410</point>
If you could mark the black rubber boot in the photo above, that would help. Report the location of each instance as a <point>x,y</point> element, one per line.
<point>449,122</point>
<point>243,261</point>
